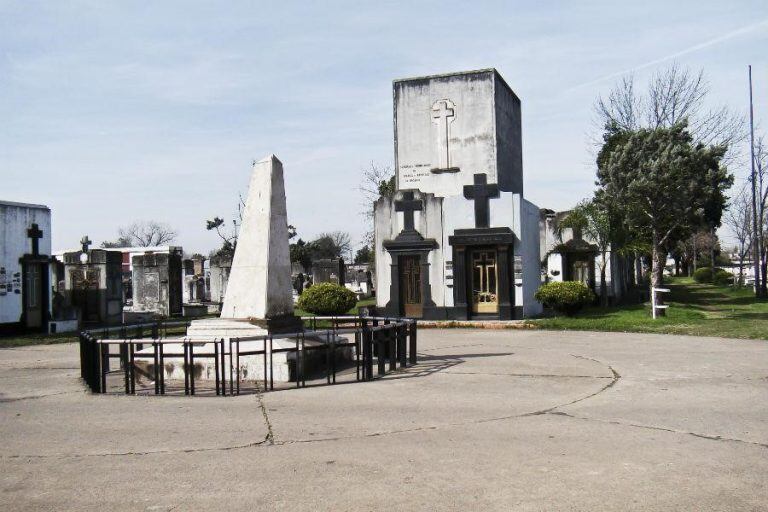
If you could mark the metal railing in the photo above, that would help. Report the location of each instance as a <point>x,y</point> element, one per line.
<point>391,342</point>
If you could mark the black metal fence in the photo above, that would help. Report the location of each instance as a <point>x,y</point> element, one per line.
<point>391,342</point>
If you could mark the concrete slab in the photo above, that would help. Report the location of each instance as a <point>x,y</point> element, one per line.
<point>494,420</point>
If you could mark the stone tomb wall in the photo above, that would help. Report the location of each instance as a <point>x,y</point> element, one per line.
<point>157,280</point>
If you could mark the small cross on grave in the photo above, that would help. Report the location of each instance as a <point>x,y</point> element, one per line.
<point>481,192</point>
<point>408,205</point>
<point>85,242</point>
<point>35,234</point>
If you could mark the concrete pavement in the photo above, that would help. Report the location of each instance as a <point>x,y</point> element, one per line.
<point>499,420</point>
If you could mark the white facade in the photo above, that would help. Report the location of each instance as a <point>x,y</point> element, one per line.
<point>458,160</point>
<point>15,221</point>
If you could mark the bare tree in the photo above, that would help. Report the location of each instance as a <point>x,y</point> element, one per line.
<point>738,218</point>
<point>377,181</point>
<point>761,177</point>
<point>147,234</point>
<point>673,94</point>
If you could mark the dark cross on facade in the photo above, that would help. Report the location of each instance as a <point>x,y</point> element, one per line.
<point>481,192</point>
<point>408,205</point>
<point>85,242</point>
<point>35,234</point>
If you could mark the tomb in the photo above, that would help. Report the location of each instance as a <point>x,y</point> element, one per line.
<point>330,270</point>
<point>458,240</point>
<point>93,284</point>
<point>568,255</point>
<point>25,276</point>
<point>157,283</point>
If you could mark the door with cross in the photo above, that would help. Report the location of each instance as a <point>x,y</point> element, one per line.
<point>485,281</point>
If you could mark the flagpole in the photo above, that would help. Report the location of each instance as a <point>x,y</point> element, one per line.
<point>756,250</point>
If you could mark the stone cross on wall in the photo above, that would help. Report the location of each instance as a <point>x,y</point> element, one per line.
<point>443,114</point>
<point>85,242</point>
<point>35,234</point>
<point>408,205</point>
<point>481,192</point>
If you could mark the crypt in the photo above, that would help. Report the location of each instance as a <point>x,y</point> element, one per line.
<point>458,240</point>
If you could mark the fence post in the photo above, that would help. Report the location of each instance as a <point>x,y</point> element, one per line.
<point>412,340</point>
<point>367,340</point>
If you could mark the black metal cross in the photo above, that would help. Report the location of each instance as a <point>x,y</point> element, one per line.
<point>480,192</point>
<point>35,234</point>
<point>408,205</point>
<point>85,242</point>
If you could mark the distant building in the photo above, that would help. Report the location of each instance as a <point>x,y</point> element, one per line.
<point>26,302</point>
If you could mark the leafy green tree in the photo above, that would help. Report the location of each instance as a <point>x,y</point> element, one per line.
<point>664,184</point>
<point>364,255</point>
<point>300,254</point>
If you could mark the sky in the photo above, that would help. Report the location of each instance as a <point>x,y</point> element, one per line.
<point>113,112</point>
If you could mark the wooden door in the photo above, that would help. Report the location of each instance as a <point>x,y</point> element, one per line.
<point>33,295</point>
<point>410,286</point>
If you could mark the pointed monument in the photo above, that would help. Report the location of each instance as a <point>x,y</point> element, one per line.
<point>259,297</point>
<point>259,286</point>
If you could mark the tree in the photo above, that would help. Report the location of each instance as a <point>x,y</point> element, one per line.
<point>378,181</point>
<point>673,95</point>
<point>738,219</point>
<point>364,255</point>
<point>300,253</point>
<point>592,219</point>
<point>330,245</point>
<point>761,189</point>
<point>120,242</point>
<point>143,234</point>
<point>664,184</point>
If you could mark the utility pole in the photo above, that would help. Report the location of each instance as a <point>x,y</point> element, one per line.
<point>756,249</point>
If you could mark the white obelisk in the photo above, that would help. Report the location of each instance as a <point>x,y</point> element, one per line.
<point>259,285</point>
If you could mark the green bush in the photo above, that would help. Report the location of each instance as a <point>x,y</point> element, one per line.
<point>722,278</point>
<point>705,274</point>
<point>327,299</point>
<point>566,297</point>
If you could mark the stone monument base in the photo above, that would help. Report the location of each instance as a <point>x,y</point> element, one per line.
<point>250,367</point>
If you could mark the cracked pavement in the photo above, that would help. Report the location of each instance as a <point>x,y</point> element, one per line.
<point>499,420</point>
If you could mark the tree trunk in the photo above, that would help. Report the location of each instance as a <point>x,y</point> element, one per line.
<point>603,289</point>
<point>657,273</point>
<point>694,252</point>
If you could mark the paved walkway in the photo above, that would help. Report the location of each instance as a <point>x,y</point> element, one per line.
<point>488,420</point>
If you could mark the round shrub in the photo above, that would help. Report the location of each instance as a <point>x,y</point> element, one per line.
<point>327,299</point>
<point>722,278</point>
<point>703,275</point>
<point>566,297</point>
<point>706,274</point>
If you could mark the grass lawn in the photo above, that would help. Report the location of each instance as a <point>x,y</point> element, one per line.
<point>695,309</point>
<point>22,340</point>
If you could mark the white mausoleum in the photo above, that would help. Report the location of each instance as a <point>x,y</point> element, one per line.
<point>458,240</point>
<point>25,277</point>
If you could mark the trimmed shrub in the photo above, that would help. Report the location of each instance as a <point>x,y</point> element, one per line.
<point>327,299</point>
<point>566,297</point>
<point>722,278</point>
<point>705,274</point>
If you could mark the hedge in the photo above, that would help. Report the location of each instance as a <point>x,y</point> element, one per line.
<point>566,297</point>
<point>327,299</point>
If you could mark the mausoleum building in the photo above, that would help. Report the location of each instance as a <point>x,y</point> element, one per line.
<point>458,240</point>
<point>25,277</point>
